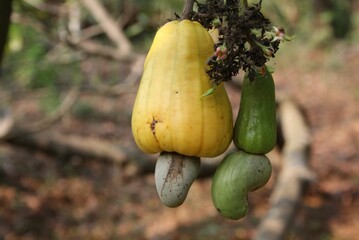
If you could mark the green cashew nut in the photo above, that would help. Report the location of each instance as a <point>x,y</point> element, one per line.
<point>238,174</point>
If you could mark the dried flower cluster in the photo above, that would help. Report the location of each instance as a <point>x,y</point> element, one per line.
<point>247,40</point>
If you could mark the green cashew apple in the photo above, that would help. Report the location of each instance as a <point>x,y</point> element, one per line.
<point>238,174</point>
<point>255,130</point>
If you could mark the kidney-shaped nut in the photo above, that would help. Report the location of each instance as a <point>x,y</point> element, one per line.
<point>174,175</point>
<point>238,174</point>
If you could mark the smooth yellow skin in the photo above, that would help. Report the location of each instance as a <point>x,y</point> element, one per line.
<point>170,113</point>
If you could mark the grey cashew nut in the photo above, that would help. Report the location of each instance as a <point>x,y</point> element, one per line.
<point>174,175</point>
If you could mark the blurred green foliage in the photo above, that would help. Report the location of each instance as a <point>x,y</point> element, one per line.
<point>316,22</point>
<point>28,66</point>
<point>341,18</point>
<point>84,110</point>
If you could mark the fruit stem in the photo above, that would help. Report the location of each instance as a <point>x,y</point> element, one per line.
<point>188,9</point>
<point>243,4</point>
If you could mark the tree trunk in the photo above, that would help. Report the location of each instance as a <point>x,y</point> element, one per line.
<point>5,14</point>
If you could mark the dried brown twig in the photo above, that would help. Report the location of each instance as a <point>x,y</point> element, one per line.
<point>68,102</point>
<point>109,25</point>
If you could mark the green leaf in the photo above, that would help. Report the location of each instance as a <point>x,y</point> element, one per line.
<point>209,91</point>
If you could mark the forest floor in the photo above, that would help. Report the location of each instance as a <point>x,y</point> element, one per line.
<point>43,196</point>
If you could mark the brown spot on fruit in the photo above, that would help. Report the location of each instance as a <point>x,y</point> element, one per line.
<point>153,127</point>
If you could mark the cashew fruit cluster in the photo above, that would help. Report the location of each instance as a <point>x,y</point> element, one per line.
<point>254,135</point>
<point>171,116</point>
<point>174,115</point>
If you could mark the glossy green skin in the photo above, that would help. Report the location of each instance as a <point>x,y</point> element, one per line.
<point>238,174</point>
<point>255,130</point>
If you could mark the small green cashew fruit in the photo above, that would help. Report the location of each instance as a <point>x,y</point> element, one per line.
<point>174,175</point>
<point>238,174</point>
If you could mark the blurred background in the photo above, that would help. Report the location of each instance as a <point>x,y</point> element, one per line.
<point>69,167</point>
